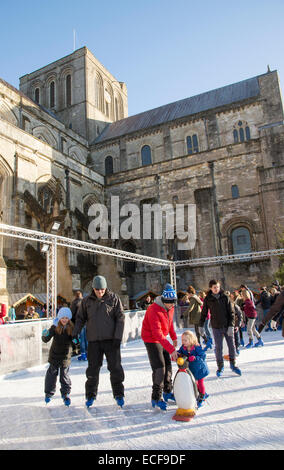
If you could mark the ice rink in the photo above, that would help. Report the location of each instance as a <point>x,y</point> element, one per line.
<point>244,412</point>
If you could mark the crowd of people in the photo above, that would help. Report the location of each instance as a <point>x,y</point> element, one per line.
<point>96,322</point>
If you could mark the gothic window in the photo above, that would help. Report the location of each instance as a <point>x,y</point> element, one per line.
<point>99,92</point>
<point>192,144</point>
<point>68,90</point>
<point>108,165</point>
<point>37,95</point>
<point>247,131</point>
<point>146,155</point>
<point>241,240</point>
<point>241,132</point>
<point>236,136</point>
<point>52,94</point>
<point>235,191</point>
<point>108,93</point>
<point>46,198</point>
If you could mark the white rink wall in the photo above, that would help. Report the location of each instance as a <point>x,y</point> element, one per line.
<point>21,345</point>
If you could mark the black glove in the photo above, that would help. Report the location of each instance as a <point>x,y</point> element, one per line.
<point>116,343</point>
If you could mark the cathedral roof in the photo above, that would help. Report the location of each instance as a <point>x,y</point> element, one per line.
<point>186,107</point>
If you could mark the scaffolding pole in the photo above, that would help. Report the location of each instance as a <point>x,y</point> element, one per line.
<point>173,275</point>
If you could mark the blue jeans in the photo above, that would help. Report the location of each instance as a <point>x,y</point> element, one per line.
<point>83,341</point>
<point>219,334</point>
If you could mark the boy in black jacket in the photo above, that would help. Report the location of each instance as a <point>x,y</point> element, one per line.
<point>222,323</point>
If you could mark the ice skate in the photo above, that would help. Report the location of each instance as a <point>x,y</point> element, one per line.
<point>66,400</point>
<point>90,402</point>
<point>120,401</point>
<point>169,396</point>
<point>160,404</point>
<point>235,369</point>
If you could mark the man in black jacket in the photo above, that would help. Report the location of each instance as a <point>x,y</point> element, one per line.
<point>102,312</point>
<point>222,323</point>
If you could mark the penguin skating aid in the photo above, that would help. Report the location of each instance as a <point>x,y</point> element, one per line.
<point>185,392</point>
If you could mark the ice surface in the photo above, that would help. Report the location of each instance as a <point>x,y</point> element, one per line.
<point>244,412</point>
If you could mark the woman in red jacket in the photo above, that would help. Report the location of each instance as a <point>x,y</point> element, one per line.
<point>251,314</point>
<point>157,325</point>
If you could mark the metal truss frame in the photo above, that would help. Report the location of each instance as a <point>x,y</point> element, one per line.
<point>226,259</point>
<point>54,241</point>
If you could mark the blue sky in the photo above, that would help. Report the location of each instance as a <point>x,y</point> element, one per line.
<point>164,50</point>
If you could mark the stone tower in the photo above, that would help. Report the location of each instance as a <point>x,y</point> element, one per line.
<point>80,91</point>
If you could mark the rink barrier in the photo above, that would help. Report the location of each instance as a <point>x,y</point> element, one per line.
<point>21,345</point>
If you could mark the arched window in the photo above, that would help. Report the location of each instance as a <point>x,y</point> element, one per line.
<point>241,132</point>
<point>99,92</point>
<point>247,131</point>
<point>68,82</point>
<point>52,95</point>
<point>235,191</point>
<point>108,94</point>
<point>108,165</point>
<point>192,144</point>
<point>37,95</point>
<point>146,155</point>
<point>241,241</point>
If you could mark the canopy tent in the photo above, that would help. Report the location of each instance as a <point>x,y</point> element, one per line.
<point>140,297</point>
<point>22,301</point>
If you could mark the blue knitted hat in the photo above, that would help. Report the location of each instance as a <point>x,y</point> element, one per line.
<point>169,294</point>
<point>63,312</point>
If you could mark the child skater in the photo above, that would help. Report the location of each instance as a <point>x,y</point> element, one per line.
<point>197,362</point>
<point>59,355</point>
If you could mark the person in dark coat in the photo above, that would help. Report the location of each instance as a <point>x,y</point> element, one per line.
<point>274,311</point>
<point>102,313</point>
<point>75,304</point>
<point>222,322</point>
<point>59,355</point>
<point>238,321</point>
<point>251,314</point>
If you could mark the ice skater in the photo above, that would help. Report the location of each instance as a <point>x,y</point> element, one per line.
<point>251,314</point>
<point>157,325</point>
<point>196,362</point>
<point>222,322</point>
<point>59,355</point>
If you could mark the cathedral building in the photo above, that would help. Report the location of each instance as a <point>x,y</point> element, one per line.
<point>66,142</point>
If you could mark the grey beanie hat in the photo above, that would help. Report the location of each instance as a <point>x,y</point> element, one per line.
<point>99,282</point>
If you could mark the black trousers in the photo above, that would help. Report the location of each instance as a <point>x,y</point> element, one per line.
<point>96,352</point>
<point>161,365</point>
<point>51,378</point>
